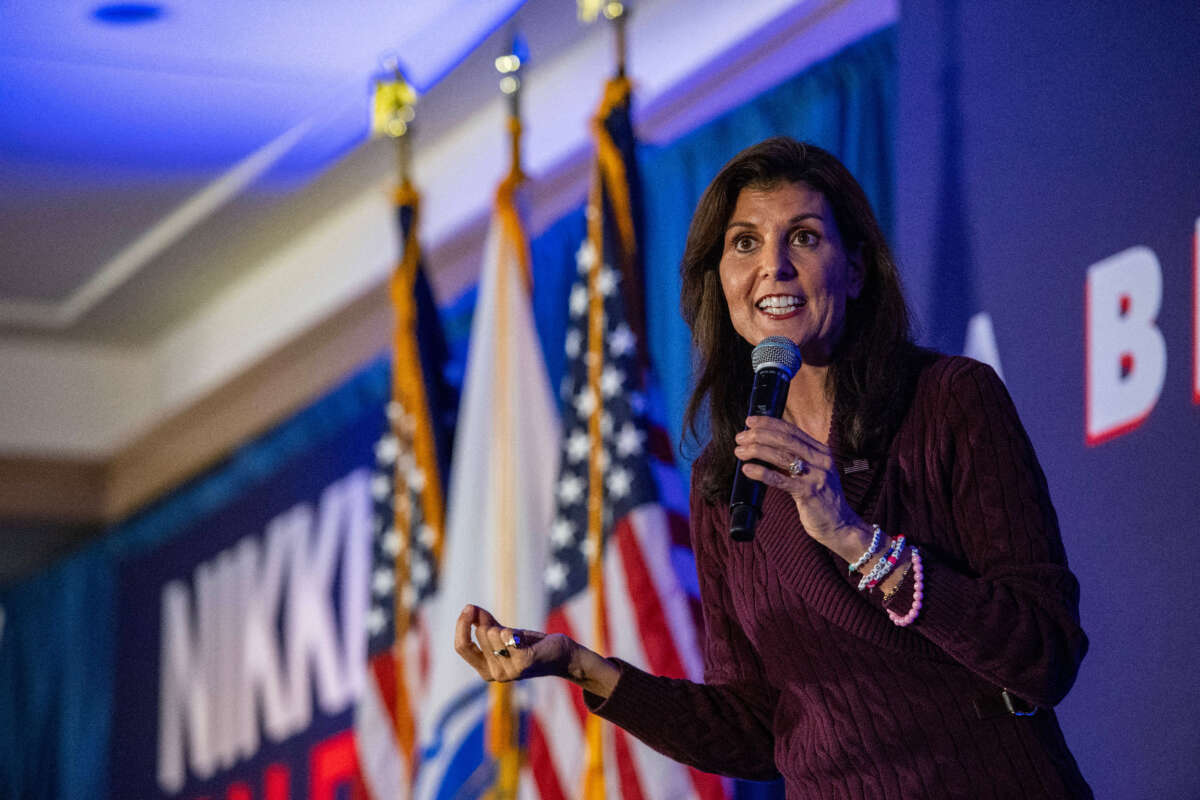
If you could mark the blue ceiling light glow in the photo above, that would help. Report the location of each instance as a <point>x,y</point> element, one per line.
<point>127,13</point>
<point>176,96</point>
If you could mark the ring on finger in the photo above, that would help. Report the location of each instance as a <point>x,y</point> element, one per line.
<point>798,467</point>
<point>515,640</point>
<point>502,652</point>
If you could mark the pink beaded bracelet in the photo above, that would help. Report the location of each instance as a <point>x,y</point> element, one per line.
<point>918,593</point>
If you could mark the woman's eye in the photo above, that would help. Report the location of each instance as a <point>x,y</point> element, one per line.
<point>743,244</point>
<point>805,238</point>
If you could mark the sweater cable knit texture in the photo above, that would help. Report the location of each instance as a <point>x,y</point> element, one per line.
<point>808,678</point>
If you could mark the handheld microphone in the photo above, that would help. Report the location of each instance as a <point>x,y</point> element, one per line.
<point>775,360</point>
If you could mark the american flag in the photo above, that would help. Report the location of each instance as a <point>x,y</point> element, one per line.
<point>619,559</point>
<point>410,461</point>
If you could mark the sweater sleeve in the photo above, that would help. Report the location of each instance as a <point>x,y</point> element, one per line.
<point>1012,615</point>
<point>723,725</point>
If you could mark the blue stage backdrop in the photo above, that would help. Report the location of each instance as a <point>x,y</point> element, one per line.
<point>241,644</point>
<point>1048,203</point>
<point>80,673</point>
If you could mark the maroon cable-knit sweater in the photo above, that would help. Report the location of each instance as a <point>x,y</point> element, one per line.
<point>807,678</point>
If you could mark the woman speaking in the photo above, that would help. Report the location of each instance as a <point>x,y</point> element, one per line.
<point>903,620</point>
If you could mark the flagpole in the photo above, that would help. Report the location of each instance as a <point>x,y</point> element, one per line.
<point>417,494</point>
<point>620,14</point>
<point>509,66</point>
<point>503,729</point>
<point>609,163</point>
<point>616,535</point>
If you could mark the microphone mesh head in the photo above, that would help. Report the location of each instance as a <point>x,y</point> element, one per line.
<point>777,352</point>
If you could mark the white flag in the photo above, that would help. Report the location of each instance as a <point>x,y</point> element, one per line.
<point>499,511</point>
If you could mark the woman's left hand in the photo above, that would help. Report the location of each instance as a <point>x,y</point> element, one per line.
<point>805,469</point>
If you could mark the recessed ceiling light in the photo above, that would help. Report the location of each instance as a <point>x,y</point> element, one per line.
<point>127,13</point>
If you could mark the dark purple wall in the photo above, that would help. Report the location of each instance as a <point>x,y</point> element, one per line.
<point>1034,140</point>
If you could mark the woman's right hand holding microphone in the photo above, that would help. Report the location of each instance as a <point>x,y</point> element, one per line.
<point>498,653</point>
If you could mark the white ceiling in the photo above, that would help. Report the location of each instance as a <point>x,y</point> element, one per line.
<point>111,130</point>
<point>183,195</point>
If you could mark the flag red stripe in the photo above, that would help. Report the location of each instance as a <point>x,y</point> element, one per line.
<point>383,669</point>
<point>707,785</point>
<point>631,785</point>
<point>653,628</point>
<point>580,707</point>
<point>657,639</point>
<point>424,647</point>
<point>557,622</point>
<point>541,763</point>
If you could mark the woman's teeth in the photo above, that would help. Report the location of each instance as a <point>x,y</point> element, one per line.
<point>780,304</point>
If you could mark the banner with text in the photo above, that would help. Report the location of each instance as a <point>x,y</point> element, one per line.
<point>241,643</point>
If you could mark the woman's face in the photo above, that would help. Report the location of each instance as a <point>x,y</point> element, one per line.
<point>785,271</point>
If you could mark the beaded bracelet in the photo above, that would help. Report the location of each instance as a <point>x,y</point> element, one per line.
<point>883,566</point>
<point>892,557</point>
<point>918,593</point>
<point>872,550</point>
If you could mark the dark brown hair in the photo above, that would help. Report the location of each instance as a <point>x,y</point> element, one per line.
<point>869,362</point>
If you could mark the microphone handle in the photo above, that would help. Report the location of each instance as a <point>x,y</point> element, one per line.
<point>767,399</point>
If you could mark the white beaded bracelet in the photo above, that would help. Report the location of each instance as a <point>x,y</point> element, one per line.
<point>872,550</point>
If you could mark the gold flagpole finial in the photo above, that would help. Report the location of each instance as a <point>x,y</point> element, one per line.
<point>394,106</point>
<point>589,10</point>
<point>393,111</point>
